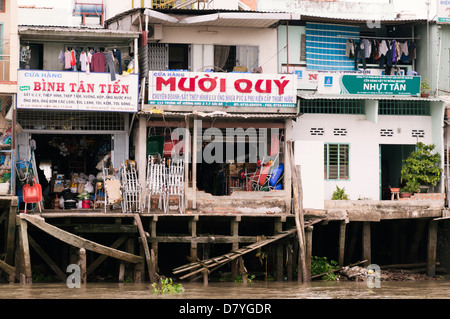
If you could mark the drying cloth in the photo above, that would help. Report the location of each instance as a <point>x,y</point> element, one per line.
<point>98,62</point>
<point>110,62</point>
<point>118,56</point>
<point>383,49</point>
<point>83,61</point>
<point>61,57</point>
<point>67,57</point>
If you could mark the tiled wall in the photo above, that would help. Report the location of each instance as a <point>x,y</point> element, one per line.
<point>325,46</point>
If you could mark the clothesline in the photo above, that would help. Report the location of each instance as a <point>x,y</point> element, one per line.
<point>380,38</point>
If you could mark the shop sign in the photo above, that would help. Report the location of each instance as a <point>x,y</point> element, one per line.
<point>443,11</point>
<point>222,89</point>
<point>368,84</point>
<point>77,91</point>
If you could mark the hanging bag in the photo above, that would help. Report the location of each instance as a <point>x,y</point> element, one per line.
<point>155,143</point>
<point>23,168</point>
<point>169,143</point>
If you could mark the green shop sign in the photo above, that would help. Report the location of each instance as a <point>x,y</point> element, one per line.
<point>369,84</point>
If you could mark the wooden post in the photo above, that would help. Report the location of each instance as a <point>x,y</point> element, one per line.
<point>82,263</point>
<point>187,154</point>
<point>242,270</point>
<point>431,249</point>
<point>290,262</point>
<point>366,242</point>
<point>25,276</point>
<point>279,251</point>
<point>195,132</point>
<point>152,275</point>
<point>341,242</point>
<point>309,238</point>
<point>235,245</point>
<point>11,233</point>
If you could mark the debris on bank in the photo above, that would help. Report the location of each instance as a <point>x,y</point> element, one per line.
<point>357,273</point>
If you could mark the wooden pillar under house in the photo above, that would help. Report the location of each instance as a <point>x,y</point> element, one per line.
<point>341,242</point>
<point>24,252</point>
<point>235,245</point>
<point>279,250</point>
<point>431,248</point>
<point>366,243</point>
<point>308,252</point>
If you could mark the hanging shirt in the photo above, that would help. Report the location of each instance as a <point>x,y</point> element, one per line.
<point>98,62</point>
<point>367,46</point>
<point>67,58</point>
<point>61,57</point>
<point>83,61</point>
<point>88,61</point>
<point>383,48</point>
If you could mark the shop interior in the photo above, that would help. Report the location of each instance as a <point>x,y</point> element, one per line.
<point>69,168</point>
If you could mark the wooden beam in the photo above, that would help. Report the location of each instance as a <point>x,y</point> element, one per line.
<point>93,265</point>
<point>77,241</point>
<point>10,270</point>
<point>148,257</point>
<point>61,275</point>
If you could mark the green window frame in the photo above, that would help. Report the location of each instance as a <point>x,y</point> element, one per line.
<point>404,107</point>
<point>332,106</point>
<point>337,161</point>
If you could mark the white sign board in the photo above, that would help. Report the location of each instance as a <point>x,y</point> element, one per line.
<point>77,91</point>
<point>222,89</point>
<point>443,11</point>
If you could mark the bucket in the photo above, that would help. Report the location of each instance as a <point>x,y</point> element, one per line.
<point>86,203</point>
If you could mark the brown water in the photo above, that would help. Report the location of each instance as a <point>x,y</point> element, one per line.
<point>432,289</point>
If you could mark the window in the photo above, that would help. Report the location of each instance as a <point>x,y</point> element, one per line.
<point>163,56</point>
<point>226,58</point>
<point>2,5</point>
<point>337,158</point>
<point>404,107</point>
<point>327,106</point>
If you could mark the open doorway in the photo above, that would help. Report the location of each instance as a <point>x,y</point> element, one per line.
<point>391,161</point>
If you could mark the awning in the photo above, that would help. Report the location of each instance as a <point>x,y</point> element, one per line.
<point>71,34</point>
<point>366,97</point>
<point>220,114</point>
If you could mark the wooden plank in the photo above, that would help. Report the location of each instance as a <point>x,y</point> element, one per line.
<point>77,241</point>
<point>61,275</point>
<point>148,257</point>
<point>93,265</point>
<point>82,263</point>
<point>10,270</point>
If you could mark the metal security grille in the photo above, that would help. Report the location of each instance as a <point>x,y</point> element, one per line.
<point>337,160</point>
<point>403,107</point>
<point>158,56</point>
<point>75,121</point>
<point>326,106</point>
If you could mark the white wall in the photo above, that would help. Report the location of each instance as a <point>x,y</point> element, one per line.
<point>364,139</point>
<point>265,39</point>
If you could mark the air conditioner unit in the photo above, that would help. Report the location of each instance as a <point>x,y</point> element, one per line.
<point>155,32</point>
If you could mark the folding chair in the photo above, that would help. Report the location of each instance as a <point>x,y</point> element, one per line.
<point>175,184</point>
<point>131,189</point>
<point>156,181</point>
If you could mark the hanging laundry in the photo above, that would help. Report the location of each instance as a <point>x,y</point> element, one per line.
<point>61,57</point>
<point>110,63</point>
<point>350,49</point>
<point>376,48</point>
<point>118,56</point>
<point>83,61</point>
<point>67,59</point>
<point>383,49</point>
<point>367,47</point>
<point>98,62</point>
<point>88,61</point>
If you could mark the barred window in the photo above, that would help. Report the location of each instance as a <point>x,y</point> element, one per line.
<point>337,158</point>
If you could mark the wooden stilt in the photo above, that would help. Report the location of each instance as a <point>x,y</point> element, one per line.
<point>242,270</point>
<point>353,238</point>
<point>279,251</point>
<point>152,275</point>
<point>417,238</point>
<point>341,242</point>
<point>308,238</point>
<point>82,260</point>
<point>431,249</point>
<point>235,245</point>
<point>11,233</point>
<point>290,261</point>
<point>366,243</point>
<point>25,276</point>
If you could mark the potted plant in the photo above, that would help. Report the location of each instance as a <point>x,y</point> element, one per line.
<point>339,194</point>
<point>425,88</point>
<point>85,197</point>
<point>420,169</point>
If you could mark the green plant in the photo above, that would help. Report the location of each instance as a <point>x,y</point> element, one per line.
<point>339,194</point>
<point>166,286</point>
<point>320,265</point>
<point>425,86</point>
<point>420,168</point>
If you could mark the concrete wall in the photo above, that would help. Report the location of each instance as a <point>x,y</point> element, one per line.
<point>265,39</point>
<point>364,139</point>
